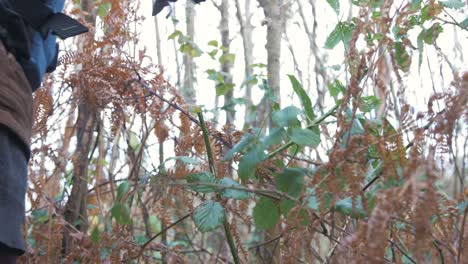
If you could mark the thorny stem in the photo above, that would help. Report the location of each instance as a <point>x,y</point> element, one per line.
<point>209,153</point>
<point>315,123</point>
<point>274,194</point>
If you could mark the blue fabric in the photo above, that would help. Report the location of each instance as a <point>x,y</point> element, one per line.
<point>44,51</point>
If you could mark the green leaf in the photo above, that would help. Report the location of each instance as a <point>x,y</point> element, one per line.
<point>335,4</point>
<point>200,178</point>
<point>121,213</point>
<point>224,88</point>
<point>345,206</point>
<point>245,141</point>
<point>334,38</point>
<point>430,11</point>
<point>209,216</point>
<point>454,4</point>
<point>369,103</point>
<point>213,43</point>
<point>95,235</point>
<point>420,41</point>
<point>305,99</point>
<point>175,34</point>
<point>233,193</point>
<point>430,35</point>
<point>275,137</point>
<point>286,205</point>
<point>266,213</point>
<point>336,88</point>
<point>104,9</point>
<point>342,32</point>
<point>185,160</point>
<point>304,137</point>
<point>286,117</point>
<point>464,23</point>
<point>133,140</point>
<point>122,189</point>
<point>249,162</point>
<point>402,57</point>
<point>228,57</point>
<point>291,181</point>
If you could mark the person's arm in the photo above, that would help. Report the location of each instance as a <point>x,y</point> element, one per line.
<point>39,22</point>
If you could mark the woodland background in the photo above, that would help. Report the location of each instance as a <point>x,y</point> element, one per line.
<point>243,131</point>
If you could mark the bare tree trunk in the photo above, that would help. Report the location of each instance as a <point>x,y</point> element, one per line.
<point>275,18</point>
<point>226,65</point>
<point>75,212</point>
<point>188,91</point>
<point>246,29</point>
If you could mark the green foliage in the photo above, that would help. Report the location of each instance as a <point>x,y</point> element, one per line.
<point>200,178</point>
<point>304,137</point>
<point>402,57</point>
<point>266,213</point>
<point>305,100</point>
<point>291,181</point>
<point>455,4</point>
<point>95,235</point>
<point>287,117</point>
<point>335,4</point>
<point>121,213</point>
<point>249,162</point>
<point>209,216</point>
<point>233,193</point>
<point>104,9</point>
<point>342,32</point>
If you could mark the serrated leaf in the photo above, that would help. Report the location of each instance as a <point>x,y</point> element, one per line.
<point>248,163</point>
<point>245,141</point>
<point>286,117</point>
<point>233,193</point>
<point>122,189</point>
<point>402,57</point>
<point>335,4</point>
<point>454,4</point>
<point>304,137</point>
<point>95,235</point>
<point>305,99</point>
<point>201,178</point>
<point>121,214</point>
<point>266,213</point>
<point>291,181</point>
<point>209,216</point>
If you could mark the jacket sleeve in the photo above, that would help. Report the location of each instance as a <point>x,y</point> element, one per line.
<point>44,51</point>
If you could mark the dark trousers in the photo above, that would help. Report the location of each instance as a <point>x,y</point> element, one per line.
<point>13,183</point>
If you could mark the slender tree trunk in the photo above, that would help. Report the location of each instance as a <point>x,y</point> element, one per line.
<point>226,65</point>
<point>75,212</point>
<point>274,16</point>
<point>246,29</point>
<point>188,91</point>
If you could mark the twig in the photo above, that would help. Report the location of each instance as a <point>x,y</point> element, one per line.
<point>209,153</point>
<point>144,246</point>
<point>266,242</point>
<point>268,193</point>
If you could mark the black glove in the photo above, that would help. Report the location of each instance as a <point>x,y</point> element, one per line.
<point>159,5</point>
